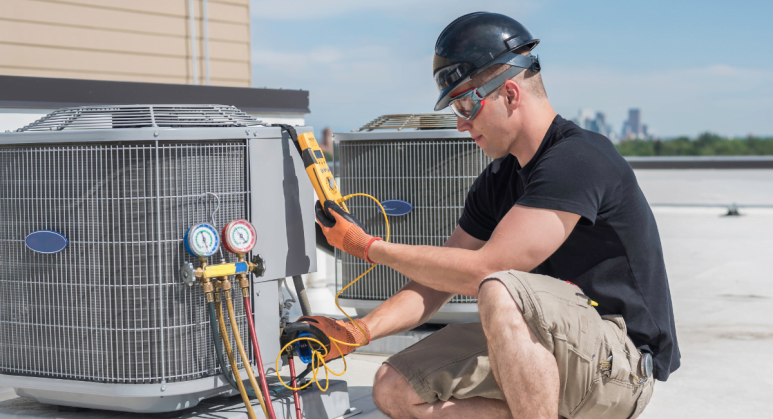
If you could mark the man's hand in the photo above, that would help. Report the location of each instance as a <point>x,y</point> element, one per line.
<point>325,329</point>
<point>344,231</point>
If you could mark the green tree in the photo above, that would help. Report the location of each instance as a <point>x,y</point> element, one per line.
<point>705,144</point>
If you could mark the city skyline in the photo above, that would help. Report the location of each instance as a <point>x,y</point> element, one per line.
<point>633,128</point>
<point>360,60</point>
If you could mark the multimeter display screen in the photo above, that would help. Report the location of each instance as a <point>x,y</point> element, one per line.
<point>318,154</point>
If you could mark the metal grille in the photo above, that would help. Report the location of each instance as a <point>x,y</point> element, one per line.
<point>141,116</point>
<point>111,307</point>
<point>413,120</point>
<point>433,175</point>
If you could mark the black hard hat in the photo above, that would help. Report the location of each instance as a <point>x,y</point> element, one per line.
<point>474,42</point>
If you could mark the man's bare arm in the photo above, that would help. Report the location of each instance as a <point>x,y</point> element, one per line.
<point>415,303</point>
<point>523,239</point>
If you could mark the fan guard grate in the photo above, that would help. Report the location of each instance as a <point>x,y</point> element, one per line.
<point>142,116</point>
<point>414,120</point>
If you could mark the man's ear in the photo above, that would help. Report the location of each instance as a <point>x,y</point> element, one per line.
<point>512,92</point>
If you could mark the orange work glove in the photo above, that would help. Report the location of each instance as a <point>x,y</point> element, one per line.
<point>324,329</point>
<point>344,230</point>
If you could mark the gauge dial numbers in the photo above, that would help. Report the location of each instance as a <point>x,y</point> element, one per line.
<point>201,240</point>
<point>239,236</point>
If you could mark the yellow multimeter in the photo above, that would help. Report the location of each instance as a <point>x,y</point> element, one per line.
<point>319,173</point>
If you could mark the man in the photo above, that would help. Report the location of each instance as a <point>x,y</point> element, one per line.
<point>558,204</point>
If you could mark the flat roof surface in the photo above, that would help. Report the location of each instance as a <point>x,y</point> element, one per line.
<point>719,270</point>
<point>701,162</point>
<point>706,187</point>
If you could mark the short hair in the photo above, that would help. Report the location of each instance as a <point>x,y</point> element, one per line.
<point>528,79</point>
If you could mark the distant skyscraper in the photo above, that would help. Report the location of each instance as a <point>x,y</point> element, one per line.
<point>634,119</point>
<point>593,121</point>
<point>601,125</point>
<point>633,128</point>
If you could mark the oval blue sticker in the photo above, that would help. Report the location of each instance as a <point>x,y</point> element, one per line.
<point>47,242</point>
<point>396,207</point>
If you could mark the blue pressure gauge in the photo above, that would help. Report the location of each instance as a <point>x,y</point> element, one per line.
<point>201,240</point>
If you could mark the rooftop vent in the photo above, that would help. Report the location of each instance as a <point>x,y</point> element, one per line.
<point>142,116</point>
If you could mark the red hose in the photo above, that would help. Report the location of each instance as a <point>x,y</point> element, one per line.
<point>259,361</point>
<point>294,383</point>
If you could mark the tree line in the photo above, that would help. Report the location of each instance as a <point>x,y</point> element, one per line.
<point>706,144</point>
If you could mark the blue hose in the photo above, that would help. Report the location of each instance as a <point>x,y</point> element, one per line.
<point>219,350</point>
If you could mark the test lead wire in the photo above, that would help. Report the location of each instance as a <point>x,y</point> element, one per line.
<point>317,357</point>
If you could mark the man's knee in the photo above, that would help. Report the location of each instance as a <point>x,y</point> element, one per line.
<point>493,296</point>
<point>497,307</point>
<point>390,390</point>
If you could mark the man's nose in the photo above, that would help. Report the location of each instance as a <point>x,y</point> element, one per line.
<point>462,124</point>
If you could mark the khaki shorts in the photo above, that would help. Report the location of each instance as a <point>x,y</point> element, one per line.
<point>454,361</point>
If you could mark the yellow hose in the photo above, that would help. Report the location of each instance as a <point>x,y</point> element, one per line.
<point>316,355</point>
<point>232,360</point>
<point>243,353</point>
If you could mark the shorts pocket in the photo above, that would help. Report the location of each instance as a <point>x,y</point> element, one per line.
<point>569,317</point>
<point>575,375</point>
<point>613,393</point>
<point>608,399</point>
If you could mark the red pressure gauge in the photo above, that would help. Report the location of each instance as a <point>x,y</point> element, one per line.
<point>239,236</point>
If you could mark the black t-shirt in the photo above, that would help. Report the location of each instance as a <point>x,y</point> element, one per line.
<point>614,252</point>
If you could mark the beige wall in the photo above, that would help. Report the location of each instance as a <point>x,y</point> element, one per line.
<point>125,40</point>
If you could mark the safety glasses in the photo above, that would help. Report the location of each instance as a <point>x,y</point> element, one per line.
<point>467,104</point>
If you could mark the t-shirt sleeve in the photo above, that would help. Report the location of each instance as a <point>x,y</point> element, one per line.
<point>572,177</point>
<point>477,218</point>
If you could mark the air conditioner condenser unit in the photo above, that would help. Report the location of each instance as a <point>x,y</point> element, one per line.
<point>94,202</point>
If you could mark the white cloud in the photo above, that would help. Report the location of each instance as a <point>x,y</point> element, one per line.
<point>427,10</point>
<point>308,9</point>
<point>293,63</point>
<point>349,89</point>
<point>353,82</point>
<point>326,55</point>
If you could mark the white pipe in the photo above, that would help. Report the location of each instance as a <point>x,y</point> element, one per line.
<point>206,41</point>
<point>193,43</point>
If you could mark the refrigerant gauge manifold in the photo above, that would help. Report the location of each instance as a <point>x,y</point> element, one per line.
<point>202,241</point>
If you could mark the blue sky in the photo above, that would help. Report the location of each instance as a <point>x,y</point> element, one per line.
<point>690,66</point>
